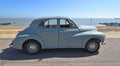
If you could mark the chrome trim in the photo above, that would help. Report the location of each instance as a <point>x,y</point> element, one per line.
<point>103,43</point>
<point>11,45</point>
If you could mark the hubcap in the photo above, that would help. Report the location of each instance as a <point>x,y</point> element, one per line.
<point>32,47</point>
<point>92,46</point>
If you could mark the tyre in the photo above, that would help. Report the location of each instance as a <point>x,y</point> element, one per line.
<point>92,46</point>
<point>32,47</point>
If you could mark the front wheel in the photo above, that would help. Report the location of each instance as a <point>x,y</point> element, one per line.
<point>32,47</point>
<point>92,46</point>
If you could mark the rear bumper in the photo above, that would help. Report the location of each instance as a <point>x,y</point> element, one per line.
<point>11,45</point>
<point>17,43</point>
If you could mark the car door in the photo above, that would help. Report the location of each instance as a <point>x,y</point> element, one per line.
<point>67,32</point>
<point>49,33</point>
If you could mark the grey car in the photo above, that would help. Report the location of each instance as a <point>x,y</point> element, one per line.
<point>57,32</point>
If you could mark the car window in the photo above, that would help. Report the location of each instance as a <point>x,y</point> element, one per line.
<point>42,24</point>
<point>72,24</point>
<point>50,23</point>
<point>64,23</point>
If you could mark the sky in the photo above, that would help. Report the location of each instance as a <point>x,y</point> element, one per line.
<point>67,8</point>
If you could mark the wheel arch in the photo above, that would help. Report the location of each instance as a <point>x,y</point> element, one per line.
<point>34,38</point>
<point>25,42</point>
<point>96,39</point>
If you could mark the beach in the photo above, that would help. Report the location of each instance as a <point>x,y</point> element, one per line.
<point>110,31</point>
<point>11,32</point>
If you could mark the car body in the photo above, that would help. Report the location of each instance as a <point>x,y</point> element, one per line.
<point>57,32</point>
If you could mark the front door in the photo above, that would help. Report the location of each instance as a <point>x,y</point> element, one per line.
<point>67,32</point>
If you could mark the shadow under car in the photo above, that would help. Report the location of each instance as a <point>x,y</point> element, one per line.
<point>13,54</point>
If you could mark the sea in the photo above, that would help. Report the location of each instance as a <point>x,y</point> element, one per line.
<point>25,22</point>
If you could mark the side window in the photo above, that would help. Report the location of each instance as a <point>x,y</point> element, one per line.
<point>50,23</point>
<point>41,24</point>
<point>64,23</point>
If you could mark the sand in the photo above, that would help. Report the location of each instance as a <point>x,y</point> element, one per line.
<point>11,32</point>
<point>110,31</point>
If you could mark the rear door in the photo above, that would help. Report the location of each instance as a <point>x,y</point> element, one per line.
<point>49,33</point>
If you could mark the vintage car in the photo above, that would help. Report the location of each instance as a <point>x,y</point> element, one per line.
<point>57,32</point>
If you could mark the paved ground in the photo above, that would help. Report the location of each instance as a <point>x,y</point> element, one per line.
<point>109,55</point>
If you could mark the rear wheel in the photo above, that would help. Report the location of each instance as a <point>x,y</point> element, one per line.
<point>32,47</point>
<point>92,46</point>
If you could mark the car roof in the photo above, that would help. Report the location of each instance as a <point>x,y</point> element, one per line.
<point>36,21</point>
<point>55,17</point>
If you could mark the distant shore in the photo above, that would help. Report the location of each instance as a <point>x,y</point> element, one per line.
<point>11,32</point>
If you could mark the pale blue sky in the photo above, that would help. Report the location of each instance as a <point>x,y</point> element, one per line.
<point>68,8</point>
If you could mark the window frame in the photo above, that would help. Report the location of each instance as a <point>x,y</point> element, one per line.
<point>42,24</point>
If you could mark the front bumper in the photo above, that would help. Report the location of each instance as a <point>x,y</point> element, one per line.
<point>103,43</point>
